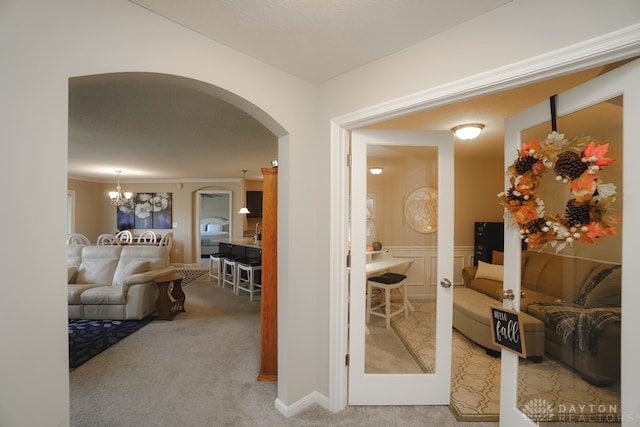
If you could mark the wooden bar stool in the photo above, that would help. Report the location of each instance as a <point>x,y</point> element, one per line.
<point>387,283</point>
<point>246,277</point>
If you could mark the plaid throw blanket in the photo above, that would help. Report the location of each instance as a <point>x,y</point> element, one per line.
<point>578,325</point>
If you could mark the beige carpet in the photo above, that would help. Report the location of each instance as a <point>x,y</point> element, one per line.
<point>475,388</point>
<point>201,370</point>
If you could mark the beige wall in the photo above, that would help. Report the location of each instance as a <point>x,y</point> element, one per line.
<point>477,184</point>
<point>45,43</point>
<point>95,215</point>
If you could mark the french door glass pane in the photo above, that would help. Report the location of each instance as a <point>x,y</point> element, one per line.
<point>578,379</point>
<point>401,219</point>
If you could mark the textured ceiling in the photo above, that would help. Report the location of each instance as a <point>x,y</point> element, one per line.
<point>166,128</point>
<point>317,40</point>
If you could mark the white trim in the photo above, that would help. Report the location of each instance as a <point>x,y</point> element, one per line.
<point>611,47</point>
<point>302,404</point>
<point>71,211</point>
<point>196,220</point>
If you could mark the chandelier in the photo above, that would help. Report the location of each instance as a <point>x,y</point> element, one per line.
<point>118,198</point>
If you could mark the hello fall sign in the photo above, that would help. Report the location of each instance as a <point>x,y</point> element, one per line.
<point>506,331</point>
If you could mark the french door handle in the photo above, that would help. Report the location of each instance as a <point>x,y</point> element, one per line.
<point>445,283</point>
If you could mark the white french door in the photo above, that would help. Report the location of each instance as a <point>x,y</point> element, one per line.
<point>599,106</point>
<point>399,209</point>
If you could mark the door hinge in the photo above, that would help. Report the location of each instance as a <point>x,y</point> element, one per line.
<point>349,160</point>
<point>349,260</point>
<point>346,360</point>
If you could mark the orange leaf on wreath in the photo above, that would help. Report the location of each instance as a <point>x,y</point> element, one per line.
<point>527,147</point>
<point>593,232</point>
<point>593,150</point>
<point>583,187</point>
<point>526,213</point>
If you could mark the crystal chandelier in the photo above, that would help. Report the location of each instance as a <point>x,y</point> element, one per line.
<point>118,198</point>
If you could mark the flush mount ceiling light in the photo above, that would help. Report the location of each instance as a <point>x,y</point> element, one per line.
<point>375,171</point>
<point>243,209</point>
<point>468,132</point>
<point>118,198</point>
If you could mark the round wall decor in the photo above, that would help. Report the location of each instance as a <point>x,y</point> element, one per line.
<point>421,210</point>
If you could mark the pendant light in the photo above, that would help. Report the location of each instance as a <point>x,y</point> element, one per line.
<point>243,209</point>
<point>118,198</point>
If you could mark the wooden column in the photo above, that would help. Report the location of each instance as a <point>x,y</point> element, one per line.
<point>269,295</point>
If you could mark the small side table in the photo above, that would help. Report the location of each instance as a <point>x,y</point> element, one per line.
<point>170,298</point>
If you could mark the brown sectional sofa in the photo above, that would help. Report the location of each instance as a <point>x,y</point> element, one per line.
<point>579,302</point>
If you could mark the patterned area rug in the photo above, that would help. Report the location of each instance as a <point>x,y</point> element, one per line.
<point>191,273</point>
<point>87,338</point>
<point>475,383</point>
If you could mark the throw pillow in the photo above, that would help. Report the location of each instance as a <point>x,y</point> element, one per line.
<point>490,271</point>
<point>96,271</point>
<point>497,257</point>
<point>607,293</point>
<point>592,282</point>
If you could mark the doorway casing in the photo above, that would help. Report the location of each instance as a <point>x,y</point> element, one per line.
<point>602,50</point>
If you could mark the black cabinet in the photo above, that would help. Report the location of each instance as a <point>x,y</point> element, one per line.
<point>254,204</point>
<point>489,236</point>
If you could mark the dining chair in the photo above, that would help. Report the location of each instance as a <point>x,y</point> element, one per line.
<point>107,240</point>
<point>147,236</point>
<point>124,236</point>
<point>77,239</point>
<point>167,240</point>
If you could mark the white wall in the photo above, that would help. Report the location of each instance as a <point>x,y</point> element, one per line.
<point>44,43</point>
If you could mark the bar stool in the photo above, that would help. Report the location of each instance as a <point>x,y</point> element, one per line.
<point>387,282</point>
<point>215,258</point>
<point>245,279</point>
<point>229,266</point>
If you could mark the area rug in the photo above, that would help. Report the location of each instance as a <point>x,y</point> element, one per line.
<point>190,273</point>
<point>475,382</point>
<point>88,338</point>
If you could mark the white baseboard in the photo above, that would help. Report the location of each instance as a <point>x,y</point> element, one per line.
<point>302,404</point>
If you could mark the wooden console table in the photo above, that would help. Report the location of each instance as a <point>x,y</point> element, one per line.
<point>170,299</point>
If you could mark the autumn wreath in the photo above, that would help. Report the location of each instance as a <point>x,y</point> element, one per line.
<point>587,215</point>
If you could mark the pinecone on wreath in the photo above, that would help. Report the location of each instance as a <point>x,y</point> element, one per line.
<point>569,165</point>
<point>536,225</point>
<point>524,164</point>
<point>577,213</point>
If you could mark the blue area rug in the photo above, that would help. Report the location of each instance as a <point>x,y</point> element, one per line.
<point>88,338</point>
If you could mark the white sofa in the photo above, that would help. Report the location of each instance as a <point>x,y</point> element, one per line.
<point>114,282</point>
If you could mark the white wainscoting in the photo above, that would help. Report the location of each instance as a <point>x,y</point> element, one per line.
<point>421,276</point>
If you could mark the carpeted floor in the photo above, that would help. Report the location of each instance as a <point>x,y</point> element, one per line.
<point>201,370</point>
<point>475,387</point>
<point>88,338</point>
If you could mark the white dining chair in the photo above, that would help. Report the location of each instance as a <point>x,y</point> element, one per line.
<point>107,240</point>
<point>124,236</point>
<point>167,240</point>
<point>77,239</point>
<point>147,236</point>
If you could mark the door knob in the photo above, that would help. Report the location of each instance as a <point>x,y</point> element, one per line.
<point>508,294</point>
<point>445,283</point>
